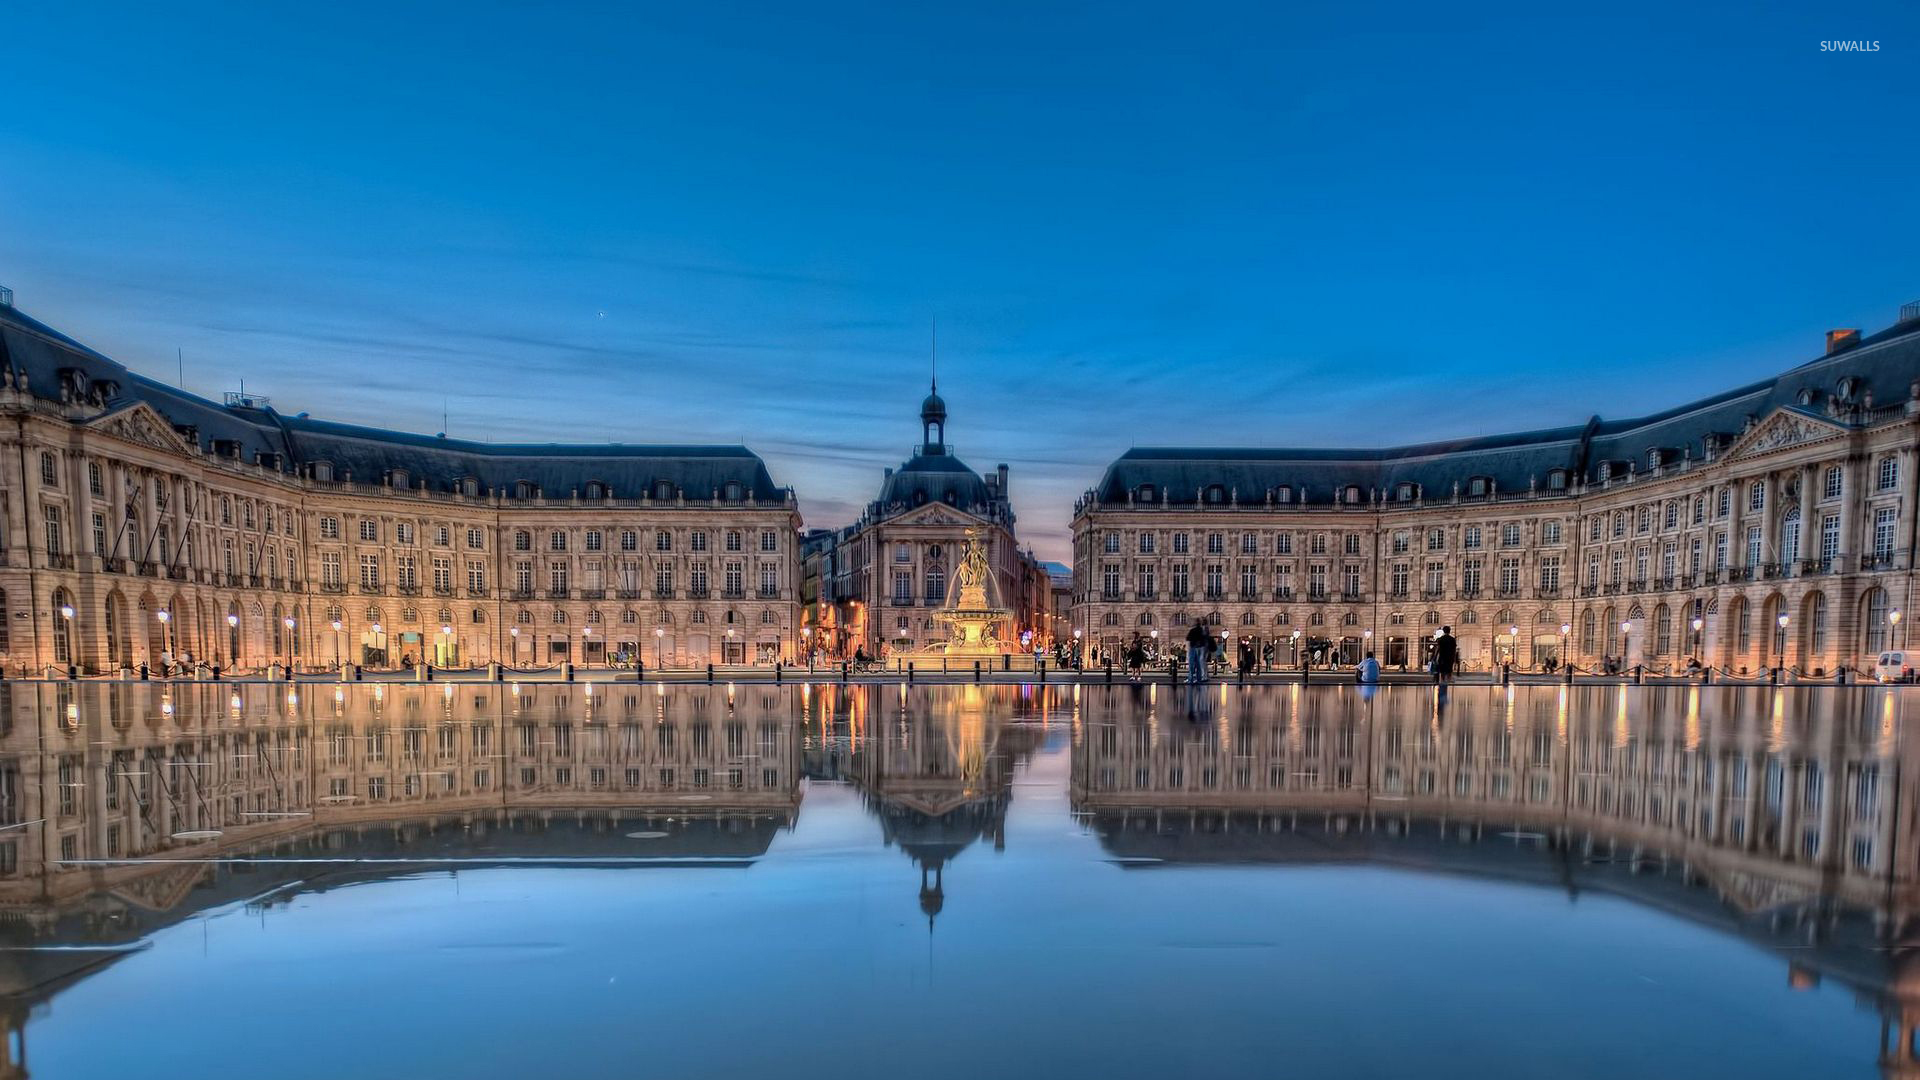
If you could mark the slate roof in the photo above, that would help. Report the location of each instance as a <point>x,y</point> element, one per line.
<point>1886,366</point>
<point>368,454</point>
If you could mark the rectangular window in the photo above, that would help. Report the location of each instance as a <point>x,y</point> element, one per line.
<point>1753,545</point>
<point>370,571</point>
<point>476,539</point>
<point>593,539</point>
<point>662,540</point>
<point>329,528</point>
<point>403,533</point>
<point>369,530</point>
<point>557,577</point>
<point>557,540</point>
<point>443,575</point>
<point>1883,532</point>
<point>54,546</point>
<point>1829,536</point>
<point>769,540</point>
<point>330,568</point>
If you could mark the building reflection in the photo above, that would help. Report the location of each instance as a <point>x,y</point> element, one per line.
<point>934,765</point>
<point>1777,814</point>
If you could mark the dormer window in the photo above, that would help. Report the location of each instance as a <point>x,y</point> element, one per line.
<point>1653,458</point>
<point>596,490</point>
<point>323,471</point>
<point>1352,495</point>
<point>1556,479</point>
<point>524,489</point>
<point>733,491</point>
<point>468,486</point>
<point>1216,494</point>
<point>1404,493</point>
<point>1807,396</point>
<point>1145,494</point>
<point>1283,494</point>
<point>662,489</point>
<point>1477,486</point>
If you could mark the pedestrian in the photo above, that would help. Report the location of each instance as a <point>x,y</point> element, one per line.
<point>1446,656</point>
<point>1246,657</point>
<point>1199,644</point>
<point>1136,657</point>
<point>1368,672</point>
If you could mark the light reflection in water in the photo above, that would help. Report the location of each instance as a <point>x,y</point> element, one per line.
<point>1775,816</point>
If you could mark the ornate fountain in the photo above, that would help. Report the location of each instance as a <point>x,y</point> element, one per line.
<point>973,616</point>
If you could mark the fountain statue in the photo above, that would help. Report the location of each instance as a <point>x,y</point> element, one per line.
<point>973,615</point>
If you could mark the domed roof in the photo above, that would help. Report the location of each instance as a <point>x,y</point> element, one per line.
<point>934,408</point>
<point>927,478</point>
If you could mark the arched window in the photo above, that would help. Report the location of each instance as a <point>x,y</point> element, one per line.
<point>1662,630</point>
<point>1874,621</point>
<point>62,627</point>
<point>1587,637</point>
<point>1790,537</point>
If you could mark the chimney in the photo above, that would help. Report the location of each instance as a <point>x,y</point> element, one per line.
<point>6,296</point>
<point>1001,472</point>
<point>1842,340</point>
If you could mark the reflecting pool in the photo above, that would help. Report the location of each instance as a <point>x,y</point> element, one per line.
<point>949,881</point>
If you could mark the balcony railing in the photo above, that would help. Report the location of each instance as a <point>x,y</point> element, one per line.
<point>523,592</point>
<point>176,573</point>
<point>559,594</point>
<point>333,586</point>
<point>697,592</point>
<point>627,594</point>
<point>59,561</point>
<point>768,594</point>
<point>112,565</point>
<point>476,594</point>
<point>733,593</point>
<point>907,601</point>
<point>593,594</point>
<point>370,589</point>
<point>443,590</point>
<point>663,593</point>
<point>147,569</point>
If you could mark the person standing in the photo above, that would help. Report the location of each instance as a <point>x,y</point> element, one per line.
<point>1199,644</point>
<point>1446,656</point>
<point>1246,657</point>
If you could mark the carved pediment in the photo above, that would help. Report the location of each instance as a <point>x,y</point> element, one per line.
<point>1780,431</point>
<point>139,423</point>
<point>936,514</point>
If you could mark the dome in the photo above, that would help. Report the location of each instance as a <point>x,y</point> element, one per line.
<point>929,478</point>
<point>933,409</point>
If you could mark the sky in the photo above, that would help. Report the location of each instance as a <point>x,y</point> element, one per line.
<point>1135,224</point>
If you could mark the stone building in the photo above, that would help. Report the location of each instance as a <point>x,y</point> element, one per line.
<point>139,522</point>
<point>881,579</point>
<point>1769,525</point>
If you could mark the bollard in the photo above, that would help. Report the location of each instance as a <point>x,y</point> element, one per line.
<point>639,671</point>
<point>976,671</point>
<point>1041,665</point>
<point>776,671</point>
<point>845,666</point>
<point>143,673</point>
<point>73,671</point>
<point>1706,676</point>
<point>709,673</point>
<point>493,671</point>
<point>1109,673</point>
<point>1506,674</point>
<point>1569,672</point>
<point>909,671</point>
<point>1840,676</point>
<point>1006,661</point>
<point>1639,674</point>
<point>1773,675</point>
<point>423,673</point>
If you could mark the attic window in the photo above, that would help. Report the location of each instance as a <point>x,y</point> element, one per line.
<point>1283,494</point>
<point>1351,494</point>
<point>1653,458</point>
<point>397,478</point>
<point>733,491</point>
<point>1556,479</point>
<point>1404,493</point>
<point>1606,471</point>
<point>953,497</point>
<point>323,471</point>
<point>524,489</point>
<point>1807,396</point>
<point>1145,494</point>
<point>596,490</point>
<point>468,486</point>
<point>1477,486</point>
<point>662,489</point>
<point>1216,494</point>
<point>1849,388</point>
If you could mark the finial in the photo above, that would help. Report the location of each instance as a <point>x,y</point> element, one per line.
<point>933,384</point>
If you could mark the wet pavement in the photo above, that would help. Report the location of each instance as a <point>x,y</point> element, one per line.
<point>947,881</point>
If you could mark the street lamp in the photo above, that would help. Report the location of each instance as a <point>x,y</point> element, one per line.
<point>1566,658</point>
<point>166,628</point>
<point>1698,622</point>
<point>233,639</point>
<point>514,633</point>
<point>1893,628</point>
<point>659,644</point>
<point>1780,646</point>
<point>289,624</point>
<point>727,658</point>
<point>1513,643</point>
<point>336,643</point>
<point>379,641</point>
<point>586,645</point>
<point>446,633</point>
<point>1625,625</point>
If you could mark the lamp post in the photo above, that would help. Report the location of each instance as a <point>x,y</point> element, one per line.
<point>336,643</point>
<point>1698,622</point>
<point>1625,625</point>
<point>513,632</point>
<point>233,639</point>
<point>1893,628</point>
<point>446,636</point>
<point>1513,646</point>
<point>1078,662</point>
<point>586,645</point>
<point>1154,634</point>
<point>379,640</point>
<point>726,656</point>
<point>659,645</point>
<point>289,623</point>
<point>1566,657</point>
<point>1780,644</point>
<point>806,644</point>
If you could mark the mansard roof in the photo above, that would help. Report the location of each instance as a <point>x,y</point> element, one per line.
<point>294,444</point>
<point>1866,383</point>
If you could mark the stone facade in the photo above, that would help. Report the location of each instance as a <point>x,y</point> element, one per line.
<point>1793,497</point>
<point>878,582</point>
<point>254,534</point>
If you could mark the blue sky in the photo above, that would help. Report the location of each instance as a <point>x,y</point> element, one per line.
<point>1136,224</point>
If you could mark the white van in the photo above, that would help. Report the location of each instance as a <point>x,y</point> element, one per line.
<point>1892,666</point>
